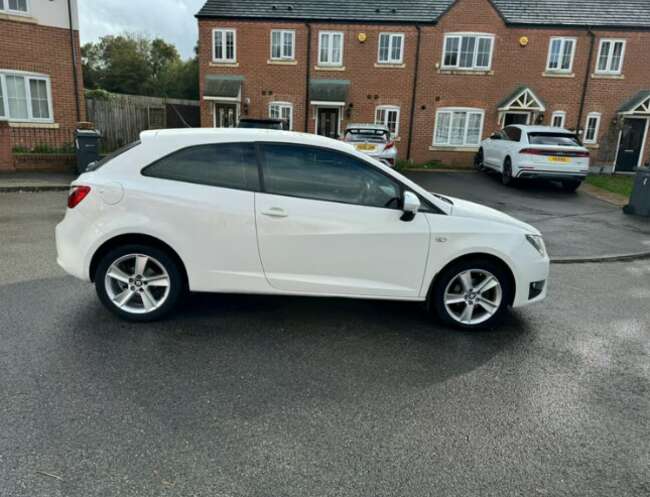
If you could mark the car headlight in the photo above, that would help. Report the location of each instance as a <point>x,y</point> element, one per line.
<point>538,243</point>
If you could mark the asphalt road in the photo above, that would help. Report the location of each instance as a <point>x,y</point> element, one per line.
<point>260,396</point>
<point>573,224</point>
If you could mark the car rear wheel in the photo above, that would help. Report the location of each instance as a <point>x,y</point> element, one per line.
<point>139,282</point>
<point>506,175</point>
<point>571,185</point>
<point>472,294</point>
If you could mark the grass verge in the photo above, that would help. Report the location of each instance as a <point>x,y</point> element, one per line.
<point>615,184</point>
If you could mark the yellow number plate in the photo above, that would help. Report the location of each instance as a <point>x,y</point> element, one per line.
<point>365,147</point>
<point>559,159</point>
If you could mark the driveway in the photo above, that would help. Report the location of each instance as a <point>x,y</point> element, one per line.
<point>574,225</point>
<point>270,396</point>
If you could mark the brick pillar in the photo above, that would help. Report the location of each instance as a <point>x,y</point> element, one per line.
<point>6,155</point>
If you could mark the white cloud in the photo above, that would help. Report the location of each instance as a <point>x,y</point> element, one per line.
<point>172,20</point>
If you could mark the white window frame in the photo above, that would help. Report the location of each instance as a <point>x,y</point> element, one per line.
<point>28,95</point>
<point>282,32</point>
<point>563,40</point>
<point>390,59</point>
<point>451,110</point>
<point>330,50</point>
<point>460,37</point>
<point>562,115</point>
<point>386,109</point>
<point>612,42</point>
<point>225,59</point>
<point>281,105</point>
<point>596,116</point>
<point>4,7</point>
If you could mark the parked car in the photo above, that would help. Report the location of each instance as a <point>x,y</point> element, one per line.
<point>373,140</point>
<point>526,152</point>
<point>249,122</point>
<point>275,212</point>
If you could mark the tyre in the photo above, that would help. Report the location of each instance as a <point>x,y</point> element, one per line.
<point>571,185</point>
<point>506,174</point>
<point>139,282</point>
<point>478,160</point>
<point>472,294</point>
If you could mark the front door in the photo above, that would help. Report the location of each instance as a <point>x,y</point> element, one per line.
<point>328,122</point>
<point>225,115</point>
<point>515,118</point>
<point>629,149</point>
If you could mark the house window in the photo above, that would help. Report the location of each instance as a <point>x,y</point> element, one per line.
<point>558,118</point>
<point>284,111</point>
<point>458,127</point>
<point>330,48</point>
<point>391,48</point>
<point>224,45</point>
<point>14,6</point>
<point>591,130</point>
<point>282,44</point>
<point>467,51</point>
<point>25,97</point>
<point>610,56</point>
<point>388,115</point>
<point>560,54</point>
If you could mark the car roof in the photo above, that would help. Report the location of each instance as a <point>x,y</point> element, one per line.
<point>539,129</point>
<point>381,127</point>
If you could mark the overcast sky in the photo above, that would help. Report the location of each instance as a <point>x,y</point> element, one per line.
<point>172,20</point>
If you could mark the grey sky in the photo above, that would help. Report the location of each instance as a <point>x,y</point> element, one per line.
<point>172,20</point>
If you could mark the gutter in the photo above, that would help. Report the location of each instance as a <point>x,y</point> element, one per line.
<point>413,94</point>
<point>307,108</point>
<point>73,52</point>
<point>585,84</point>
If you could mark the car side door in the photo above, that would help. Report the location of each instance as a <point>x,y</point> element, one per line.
<point>329,223</point>
<point>489,148</point>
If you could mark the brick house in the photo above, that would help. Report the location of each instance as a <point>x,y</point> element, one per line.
<point>441,73</point>
<point>41,86</point>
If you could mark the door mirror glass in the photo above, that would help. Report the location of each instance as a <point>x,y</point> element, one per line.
<point>410,206</point>
<point>495,136</point>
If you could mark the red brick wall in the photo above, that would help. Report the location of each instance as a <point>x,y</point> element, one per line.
<point>512,66</point>
<point>46,50</point>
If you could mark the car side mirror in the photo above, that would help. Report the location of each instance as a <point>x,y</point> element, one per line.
<point>495,136</point>
<point>410,206</point>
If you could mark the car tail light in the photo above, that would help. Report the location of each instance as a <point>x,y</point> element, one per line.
<point>556,153</point>
<point>389,145</point>
<point>77,194</point>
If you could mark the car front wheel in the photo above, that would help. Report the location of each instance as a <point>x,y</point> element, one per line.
<point>472,294</point>
<point>506,175</point>
<point>139,282</point>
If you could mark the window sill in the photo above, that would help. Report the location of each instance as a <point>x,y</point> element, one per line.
<point>329,68</point>
<point>282,62</point>
<point>558,74</point>
<point>607,76</point>
<point>452,148</point>
<point>383,65</point>
<point>27,124</point>
<point>224,64</point>
<point>4,16</point>
<point>592,145</point>
<point>472,72</point>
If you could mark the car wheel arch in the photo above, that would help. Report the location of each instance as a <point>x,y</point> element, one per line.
<point>134,239</point>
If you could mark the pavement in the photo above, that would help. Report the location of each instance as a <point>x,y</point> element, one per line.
<point>575,225</point>
<point>33,181</point>
<point>272,396</point>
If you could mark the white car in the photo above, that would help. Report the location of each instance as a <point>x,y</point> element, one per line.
<point>276,212</point>
<point>526,152</point>
<point>373,140</point>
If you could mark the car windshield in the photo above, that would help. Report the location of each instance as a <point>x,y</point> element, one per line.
<point>564,139</point>
<point>366,135</point>
<point>93,166</point>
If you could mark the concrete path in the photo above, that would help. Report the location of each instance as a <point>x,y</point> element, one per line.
<point>35,181</point>
<point>573,224</point>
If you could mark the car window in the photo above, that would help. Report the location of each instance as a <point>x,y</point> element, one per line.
<point>512,134</point>
<point>563,139</point>
<point>230,165</point>
<point>323,174</point>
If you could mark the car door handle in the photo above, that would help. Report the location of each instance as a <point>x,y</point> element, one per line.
<point>275,212</point>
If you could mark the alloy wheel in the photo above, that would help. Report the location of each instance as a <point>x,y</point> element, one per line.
<point>473,296</point>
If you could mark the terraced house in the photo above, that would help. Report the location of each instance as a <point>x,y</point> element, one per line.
<point>442,74</point>
<point>41,88</point>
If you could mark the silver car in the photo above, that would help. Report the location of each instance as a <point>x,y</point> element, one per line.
<point>373,140</point>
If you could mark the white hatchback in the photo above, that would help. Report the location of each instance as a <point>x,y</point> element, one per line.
<point>527,152</point>
<point>276,212</point>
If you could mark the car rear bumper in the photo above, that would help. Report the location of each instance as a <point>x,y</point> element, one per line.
<point>550,174</point>
<point>69,252</point>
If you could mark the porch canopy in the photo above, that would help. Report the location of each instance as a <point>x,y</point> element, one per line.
<point>522,100</point>
<point>328,91</point>
<point>223,87</point>
<point>638,104</point>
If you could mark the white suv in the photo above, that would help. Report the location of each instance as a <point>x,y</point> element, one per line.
<point>526,152</point>
<point>276,212</point>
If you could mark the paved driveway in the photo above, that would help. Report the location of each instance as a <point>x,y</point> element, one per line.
<point>574,225</point>
<point>267,396</point>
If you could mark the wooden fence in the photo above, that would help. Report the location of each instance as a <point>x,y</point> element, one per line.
<point>121,118</point>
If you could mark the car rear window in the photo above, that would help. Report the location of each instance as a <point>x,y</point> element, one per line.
<point>369,135</point>
<point>93,166</point>
<point>563,139</point>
